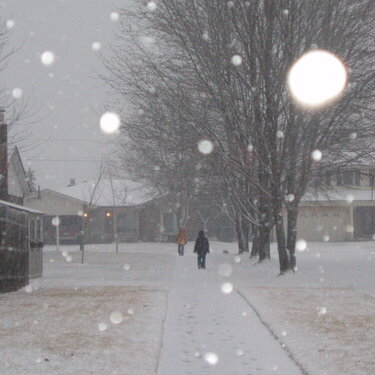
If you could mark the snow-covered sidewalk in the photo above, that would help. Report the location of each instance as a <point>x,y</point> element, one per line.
<point>211,330</point>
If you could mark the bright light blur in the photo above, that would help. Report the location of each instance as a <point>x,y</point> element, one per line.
<point>110,122</point>
<point>317,78</point>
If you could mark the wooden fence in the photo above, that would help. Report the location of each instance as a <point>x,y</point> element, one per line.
<point>14,248</point>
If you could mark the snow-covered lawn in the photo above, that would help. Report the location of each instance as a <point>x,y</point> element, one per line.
<point>328,330</point>
<point>325,314</point>
<point>102,317</point>
<point>66,322</point>
<point>86,330</point>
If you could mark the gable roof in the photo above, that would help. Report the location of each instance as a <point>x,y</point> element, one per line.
<point>16,171</point>
<point>21,208</point>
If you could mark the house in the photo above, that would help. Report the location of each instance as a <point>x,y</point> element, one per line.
<point>127,211</point>
<point>14,184</point>
<point>115,210</point>
<point>345,211</point>
<point>19,185</point>
<point>102,209</point>
<point>59,208</point>
<point>21,229</point>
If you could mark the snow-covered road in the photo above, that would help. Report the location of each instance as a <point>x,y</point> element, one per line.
<point>208,331</point>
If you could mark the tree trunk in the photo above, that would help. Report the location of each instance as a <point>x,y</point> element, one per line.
<point>245,228</point>
<point>240,237</point>
<point>292,237</point>
<point>281,244</point>
<point>255,244</point>
<point>264,243</point>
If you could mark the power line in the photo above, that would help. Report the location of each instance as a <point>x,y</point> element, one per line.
<point>69,160</point>
<point>73,140</point>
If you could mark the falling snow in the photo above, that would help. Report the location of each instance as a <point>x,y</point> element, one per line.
<point>10,24</point>
<point>115,16</point>
<point>116,317</point>
<point>211,358</point>
<point>151,6</point>
<point>47,58</point>
<point>96,46</point>
<point>301,245</point>
<point>137,306</point>
<point>227,288</point>
<point>205,147</point>
<point>236,60</point>
<point>17,93</point>
<point>55,221</point>
<point>316,155</point>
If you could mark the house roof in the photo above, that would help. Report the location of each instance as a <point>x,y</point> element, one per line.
<point>15,164</point>
<point>343,195</point>
<point>108,193</point>
<point>21,208</point>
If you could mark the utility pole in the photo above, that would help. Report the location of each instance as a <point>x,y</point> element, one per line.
<point>57,233</point>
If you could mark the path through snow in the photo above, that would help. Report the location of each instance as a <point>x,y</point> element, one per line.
<point>203,322</point>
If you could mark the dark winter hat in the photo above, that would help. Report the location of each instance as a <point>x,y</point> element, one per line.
<point>201,233</point>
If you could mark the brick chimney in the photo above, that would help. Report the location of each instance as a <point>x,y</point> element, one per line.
<point>3,157</point>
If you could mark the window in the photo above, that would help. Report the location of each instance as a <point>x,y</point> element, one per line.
<point>169,222</point>
<point>339,178</point>
<point>371,177</point>
<point>316,179</point>
<point>357,174</point>
<point>364,222</point>
<point>349,178</point>
<point>38,230</point>
<point>127,222</point>
<point>327,178</point>
<point>32,230</point>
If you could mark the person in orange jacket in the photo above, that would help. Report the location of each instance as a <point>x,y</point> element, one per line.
<point>181,241</point>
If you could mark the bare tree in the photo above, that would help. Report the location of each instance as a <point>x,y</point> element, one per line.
<point>91,198</point>
<point>219,70</point>
<point>119,197</point>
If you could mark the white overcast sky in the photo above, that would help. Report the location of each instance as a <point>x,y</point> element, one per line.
<point>66,91</point>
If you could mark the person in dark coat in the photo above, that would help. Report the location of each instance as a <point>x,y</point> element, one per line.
<point>201,247</point>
